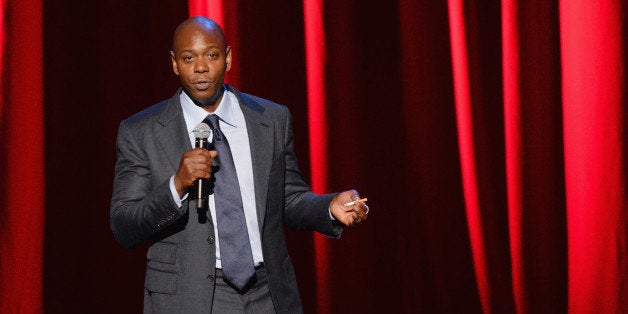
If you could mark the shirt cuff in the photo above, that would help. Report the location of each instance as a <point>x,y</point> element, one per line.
<point>175,194</point>
<point>330,215</point>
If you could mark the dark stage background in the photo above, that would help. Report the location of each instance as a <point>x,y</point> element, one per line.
<point>488,137</point>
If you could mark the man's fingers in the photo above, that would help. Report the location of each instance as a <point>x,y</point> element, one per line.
<point>195,164</point>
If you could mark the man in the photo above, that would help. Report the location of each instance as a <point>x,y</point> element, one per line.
<point>193,264</point>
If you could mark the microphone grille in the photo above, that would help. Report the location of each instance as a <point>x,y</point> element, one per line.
<point>202,131</point>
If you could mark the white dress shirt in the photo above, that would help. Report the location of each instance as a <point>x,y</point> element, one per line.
<point>233,126</point>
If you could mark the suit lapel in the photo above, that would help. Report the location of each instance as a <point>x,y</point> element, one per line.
<point>171,131</point>
<point>260,131</point>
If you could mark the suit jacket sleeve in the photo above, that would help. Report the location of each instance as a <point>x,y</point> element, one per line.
<point>304,209</point>
<point>139,207</point>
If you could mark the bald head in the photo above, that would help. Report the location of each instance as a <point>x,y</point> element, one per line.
<point>197,24</point>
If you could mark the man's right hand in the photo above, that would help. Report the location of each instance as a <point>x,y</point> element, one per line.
<point>195,164</point>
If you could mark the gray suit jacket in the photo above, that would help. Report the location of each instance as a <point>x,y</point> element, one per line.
<point>181,259</point>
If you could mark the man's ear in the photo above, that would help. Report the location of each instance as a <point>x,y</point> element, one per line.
<point>228,59</point>
<point>175,69</point>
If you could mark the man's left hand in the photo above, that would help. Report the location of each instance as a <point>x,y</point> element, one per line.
<point>351,215</point>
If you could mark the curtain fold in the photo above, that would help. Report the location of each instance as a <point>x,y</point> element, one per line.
<point>534,159</point>
<point>593,44</point>
<point>475,46</point>
<point>212,9</point>
<point>22,141</point>
<point>431,169</point>
<point>317,127</point>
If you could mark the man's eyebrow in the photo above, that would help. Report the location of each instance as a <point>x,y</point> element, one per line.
<point>192,50</point>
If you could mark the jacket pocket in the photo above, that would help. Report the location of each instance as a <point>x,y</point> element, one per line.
<point>161,271</point>
<point>160,282</point>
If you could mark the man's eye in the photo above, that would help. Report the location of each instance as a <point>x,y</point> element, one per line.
<point>187,58</point>
<point>213,55</point>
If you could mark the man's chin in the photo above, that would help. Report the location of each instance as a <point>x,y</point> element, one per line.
<point>206,98</point>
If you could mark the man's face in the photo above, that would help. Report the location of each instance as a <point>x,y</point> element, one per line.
<point>200,59</point>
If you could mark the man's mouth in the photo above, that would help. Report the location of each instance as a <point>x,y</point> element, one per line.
<point>202,84</point>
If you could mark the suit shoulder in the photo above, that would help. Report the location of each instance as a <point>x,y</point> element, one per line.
<point>268,106</point>
<point>146,115</point>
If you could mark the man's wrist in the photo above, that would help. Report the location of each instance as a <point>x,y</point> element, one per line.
<point>176,196</point>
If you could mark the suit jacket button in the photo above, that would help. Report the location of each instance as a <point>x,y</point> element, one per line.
<point>210,278</point>
<point>210,240</point>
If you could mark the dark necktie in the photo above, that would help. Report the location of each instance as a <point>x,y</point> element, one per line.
<point>235,249</point>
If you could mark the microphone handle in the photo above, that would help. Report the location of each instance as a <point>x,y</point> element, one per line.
<point>201,185</point>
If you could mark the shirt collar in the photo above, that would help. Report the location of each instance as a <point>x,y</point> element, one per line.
<point>194,114</point>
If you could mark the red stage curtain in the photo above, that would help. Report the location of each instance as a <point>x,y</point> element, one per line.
<point>593,46</point>
<point>317,121</point>
<point>488,136</point>
<point>22,162</point>
<point>562,162</point>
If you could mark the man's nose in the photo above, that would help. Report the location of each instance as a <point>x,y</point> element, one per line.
<point>201,66</point>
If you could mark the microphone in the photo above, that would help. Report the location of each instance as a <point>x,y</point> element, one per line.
<point>201,134</point>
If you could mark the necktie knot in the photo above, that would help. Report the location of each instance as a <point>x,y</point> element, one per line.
<point>212,120</point>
